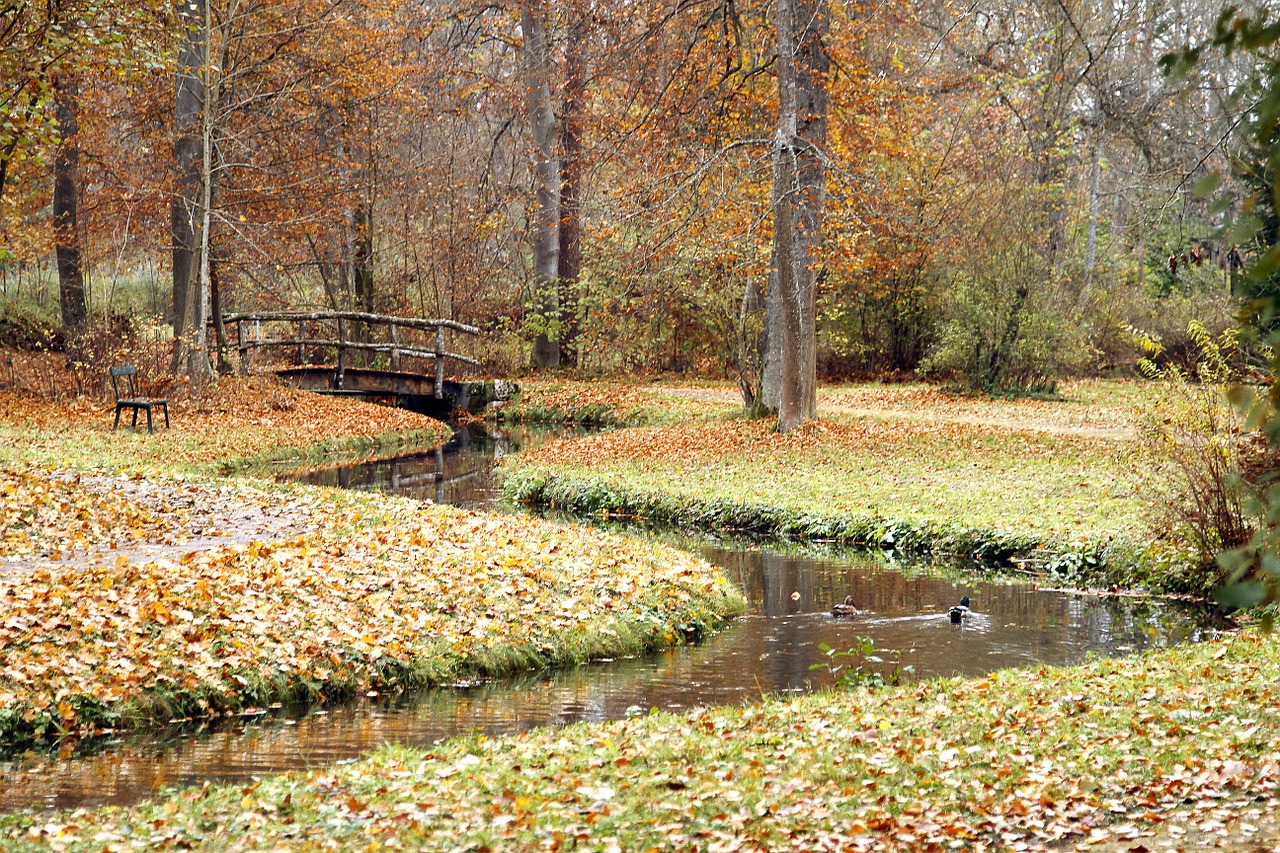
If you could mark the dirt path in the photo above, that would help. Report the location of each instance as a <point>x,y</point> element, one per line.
<point>147,520</point>
<point>927,405</point>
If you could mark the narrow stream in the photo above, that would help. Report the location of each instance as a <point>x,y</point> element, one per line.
<point>770,650</point>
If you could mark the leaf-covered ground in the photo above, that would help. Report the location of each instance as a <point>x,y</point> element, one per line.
<point>1133,754</point>
<point>241,420</point>
<point>378,592</point>
<point>164,593</point>
<point>122,594</point>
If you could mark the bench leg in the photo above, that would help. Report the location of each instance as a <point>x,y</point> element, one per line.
<point>165,409</point>
<point>135,417</point>
<point>150,427</point>
<point>116,425</point>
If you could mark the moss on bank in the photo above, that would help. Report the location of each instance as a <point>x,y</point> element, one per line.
<point>1107,562</point>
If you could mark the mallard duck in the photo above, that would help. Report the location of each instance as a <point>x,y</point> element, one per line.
<point>845,608</point>
<point>960,611</point>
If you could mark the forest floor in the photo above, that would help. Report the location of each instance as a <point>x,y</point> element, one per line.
<point>1173,750</point>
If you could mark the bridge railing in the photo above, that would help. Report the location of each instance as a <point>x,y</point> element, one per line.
<point>309,322</point>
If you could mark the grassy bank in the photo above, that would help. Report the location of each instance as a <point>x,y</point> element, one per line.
<point>1051,487</point>
<point>1019,760</point>
<point>241,422</point>
<point>166,592</point>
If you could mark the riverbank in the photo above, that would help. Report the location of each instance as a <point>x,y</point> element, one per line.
<point>1179,743</point>
<point>1115,750</point>
<point>167,592</point>
<point>1057,488</point>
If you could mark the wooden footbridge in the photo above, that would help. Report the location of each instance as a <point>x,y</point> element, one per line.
<point>364,355</point>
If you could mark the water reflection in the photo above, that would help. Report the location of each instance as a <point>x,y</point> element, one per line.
<point>770,650</point>
<point>459,472</point>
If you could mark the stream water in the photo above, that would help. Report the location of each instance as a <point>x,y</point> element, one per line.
<point>770,650</point>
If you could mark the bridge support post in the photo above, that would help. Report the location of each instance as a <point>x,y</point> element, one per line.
<point>341,378</point>
<point>394,333</point>
<point>439,362</point>
<point>243,347</point>
<point>302,348</point>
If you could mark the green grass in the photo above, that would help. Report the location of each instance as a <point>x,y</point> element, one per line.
<point>1054,487</point>
<point>184,453</point>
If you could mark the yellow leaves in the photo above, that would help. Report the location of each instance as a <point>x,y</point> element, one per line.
<point>302,603</point>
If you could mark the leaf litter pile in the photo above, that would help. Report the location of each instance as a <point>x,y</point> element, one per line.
<point>1182,743</point>
<point>127,598</point>
<point>379,593</point>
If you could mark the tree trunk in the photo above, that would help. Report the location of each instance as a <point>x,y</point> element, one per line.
<point>360,268</point>
<point>199,365</point>
<point>546,224</point>
<point>798,194</point>
<point>1091,241</point>
<point>362,258</point>
<point>66,211</point>
<point>188,152</point>
<point>769,397</point>
<point>750,348</point>
<point>570,260</point>
<point>225,367</point>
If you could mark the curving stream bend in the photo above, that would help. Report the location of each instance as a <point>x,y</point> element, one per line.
<point>771,650</point>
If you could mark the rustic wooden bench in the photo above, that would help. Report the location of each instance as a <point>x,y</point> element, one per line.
<point>123,382</point>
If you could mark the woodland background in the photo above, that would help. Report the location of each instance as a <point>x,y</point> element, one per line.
<point>1012,188</point>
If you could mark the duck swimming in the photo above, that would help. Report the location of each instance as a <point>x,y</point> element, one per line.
<point>845,608</point>
<point>960,612</point>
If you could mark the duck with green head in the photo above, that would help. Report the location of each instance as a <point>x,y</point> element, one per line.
<point>960,612</point>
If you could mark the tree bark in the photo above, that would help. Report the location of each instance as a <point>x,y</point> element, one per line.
<point>360,262</point>
<point>225,368</point>
<point>66,215</point>
<point>189,155</point>
<point>199,365</point>
<point>546,224</point>
<point>570,260</point>
<point>1091,241</point>
<point>798,194</point>
<point>362,258</point>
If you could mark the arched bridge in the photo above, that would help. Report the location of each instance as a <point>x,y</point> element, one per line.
<point>367,355</point>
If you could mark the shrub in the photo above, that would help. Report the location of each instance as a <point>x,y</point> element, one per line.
<point>1197,446</point>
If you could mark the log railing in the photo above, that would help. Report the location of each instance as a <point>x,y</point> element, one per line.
<point>309,322</point>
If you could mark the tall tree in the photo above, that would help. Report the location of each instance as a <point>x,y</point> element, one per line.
<point>572,168</point>
<point>546,175</point>
<point>190,96</point>
<point>799,177</point>
<point>66,215</point>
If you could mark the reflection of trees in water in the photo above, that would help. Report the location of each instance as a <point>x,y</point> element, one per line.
<point>1117,622</point>
<point>458,472</point>
<point>1017,623</point>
